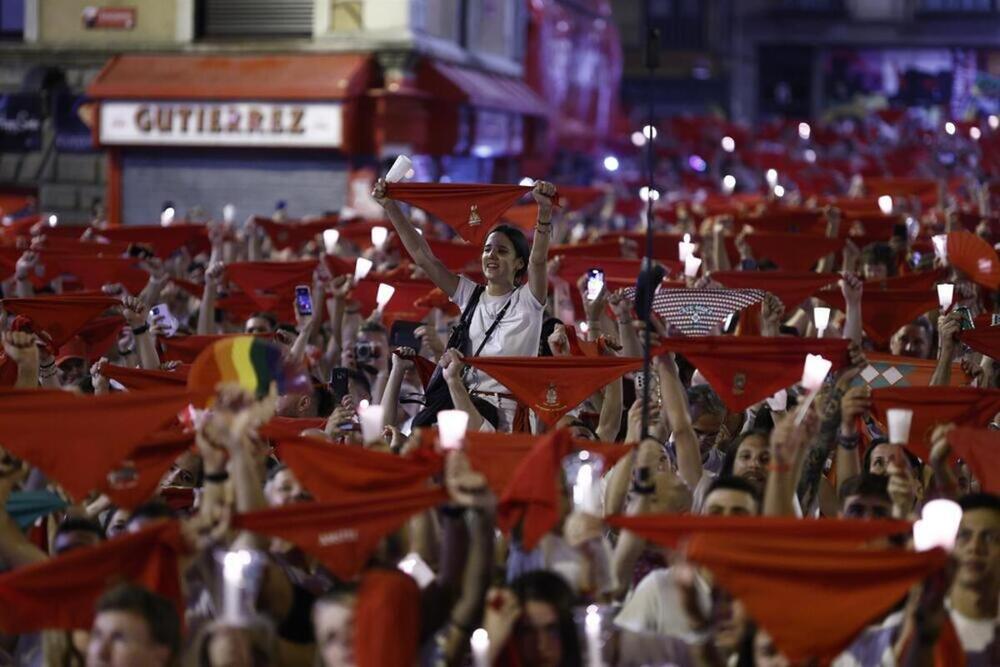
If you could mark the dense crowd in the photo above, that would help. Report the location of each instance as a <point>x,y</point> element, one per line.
<point>483,430</point>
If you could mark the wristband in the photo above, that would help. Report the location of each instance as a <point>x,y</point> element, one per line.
<point>216,477</point>
<point>848,442</point>
<point>138,331</point>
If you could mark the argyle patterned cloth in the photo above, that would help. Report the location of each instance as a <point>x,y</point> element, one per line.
<point>886,370</point>
<point>698,312</point>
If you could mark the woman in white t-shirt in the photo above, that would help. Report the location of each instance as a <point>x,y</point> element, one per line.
<point>516,279</point>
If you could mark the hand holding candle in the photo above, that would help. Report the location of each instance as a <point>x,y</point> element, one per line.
<point>383,296</point>
<point>685,248</point>
<point>821,317</point>
<point>372,420</point>
<point>361,269</point>
<point>899,425</point>
<point>399,169</point>
<point>946,293</point>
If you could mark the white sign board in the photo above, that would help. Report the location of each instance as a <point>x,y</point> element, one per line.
<point>221,124</point>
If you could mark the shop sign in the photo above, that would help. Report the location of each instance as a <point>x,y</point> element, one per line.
<point>221,124</point>
<point>109,18</point>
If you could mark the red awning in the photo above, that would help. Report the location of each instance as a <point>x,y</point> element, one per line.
<point>482,89</point>
<point>271,77</point>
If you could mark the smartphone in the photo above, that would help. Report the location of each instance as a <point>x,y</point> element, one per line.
<point>966,315</point>
<point>403,334</point>
<point>994,319</point>
<point>160,314</point>
<point>338,384</point>
<point>595,283</point>
<point>303,300</point>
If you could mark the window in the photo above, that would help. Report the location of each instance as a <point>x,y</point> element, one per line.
<point>258,18</point>
<point>681,23</point>
<point>11,19</point>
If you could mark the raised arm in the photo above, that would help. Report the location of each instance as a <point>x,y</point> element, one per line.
<point>414,243</point>
<point>136,312</point>
<point>206,311</point>
<point>19,346</point>
<point>452,367</point>
<point>538,275</point>
<point>948,328</point>
<point>852,287</point>
<point>676,413</point>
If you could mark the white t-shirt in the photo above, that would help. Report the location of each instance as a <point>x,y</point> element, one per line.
<point>517,334</point>
<point>656,605</point>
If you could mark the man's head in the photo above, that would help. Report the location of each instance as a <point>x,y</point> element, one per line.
<point>877,261</point>
<point>76,532</point>
<point>731,496</point>
<point>913,340</point>
<point>283,488</point>
<point>133,628</point>
<point>261,323</point>
<point>865,496</point>
<point>977,546</point>
<point>749,459</point>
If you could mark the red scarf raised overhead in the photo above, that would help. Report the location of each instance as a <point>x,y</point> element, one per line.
<point>787,221</point>
<point>915,281</point>
<point>980,449</point>
<point>436,298</point>
<point>745,370</point>
<point>670,530</point>
<point>402,305</point>
<point>383,595</point>
<point>975,257</point>
<point>884,312</point>
<point>99,335</point>
<point>186,349</point>
<point>812,595</point>
<point>295,234</point>
<point>138,479</point>
<point>985,340</point>
<point>139,379</point>
<point>329,471</point>
<point>96,272</point>
<point>60,317</point>
<point>471,209</point>
<point>289,427</point>
<point>552,386</point>
<point>342,534</point>
<point>269,283</point>
<point>164,240</point>
<point>531,498</point>
<point>791,287</point>
<point>963,406</point>
<point>77,440</point>
<point>791,252</point>
<point>456,256</point>
<point>60,593</point>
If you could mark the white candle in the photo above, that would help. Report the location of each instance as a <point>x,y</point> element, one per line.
<point>885,204</point>
<point>772,177</point>
<point>728,184</point>
<point>685,248</point>
<point>592,630</point>
<point>379,235</point>
<point>946,293</point>
<point>452,425</point>
<point>691,266</point>
<point>938,525</point>
<point>233,565</point>
<point>53,220</point>
<point>480,643</point>
<point>229,213</point>
<point>814,372</point>
<point>383,295</point>
<point>940,246</point>
<point>167,217</point>
<point>399,169</point>
<point>372,419</point>
<point>330,238</point>
<point>821,317</point>
<point>899,425</point>
<point>361,268</point>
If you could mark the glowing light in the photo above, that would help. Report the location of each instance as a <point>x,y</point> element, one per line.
<point>53,220</point>
<point>779,191</point>
<point>899,425</point>
<point>810,155</point>
<point>885,204</point>
<point>611,163</point>
<point>697,163</point>
<point>527,182</point>
<point>638,139</point>
<point>167,217</point>
<point>949,127</point>
<point>994,121</point>
<point>649,132</point>
<point>645,194</point>
<point>772,177</point>
<point>728,184</point>
<point>379,235</point>
<point>330,238</point>
<point>728,144</point>
<point>975,133</point>
<point>946,294</point>
<point>452,425</point>
<point>361,268</point>
<point>804,131</point>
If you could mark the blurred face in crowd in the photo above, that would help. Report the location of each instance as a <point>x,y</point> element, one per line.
<point>123,639</point>
<point>118,523</point>
<point>911,341</point>
<point>500,261</point>
<point>730,621</point>
<point>706,427</point>
<point>184,471</point>
<point>283,489</point>
<point>872,270</point>
<point>538,635</point>
<point>729,502</point>
<point>334,627</point>
<point>68,540</point>
<point>866,507</point>
<point>977,550</point>
<point>884,455</point>
<point>765,653</point>
<point>229,647</point>
<point>257,325</point>
<point>752,459</point>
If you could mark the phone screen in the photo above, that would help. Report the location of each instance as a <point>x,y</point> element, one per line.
<point>595,283</point>
<point>967,322</point>
<point>338,383</point>
<point>303,300</point>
